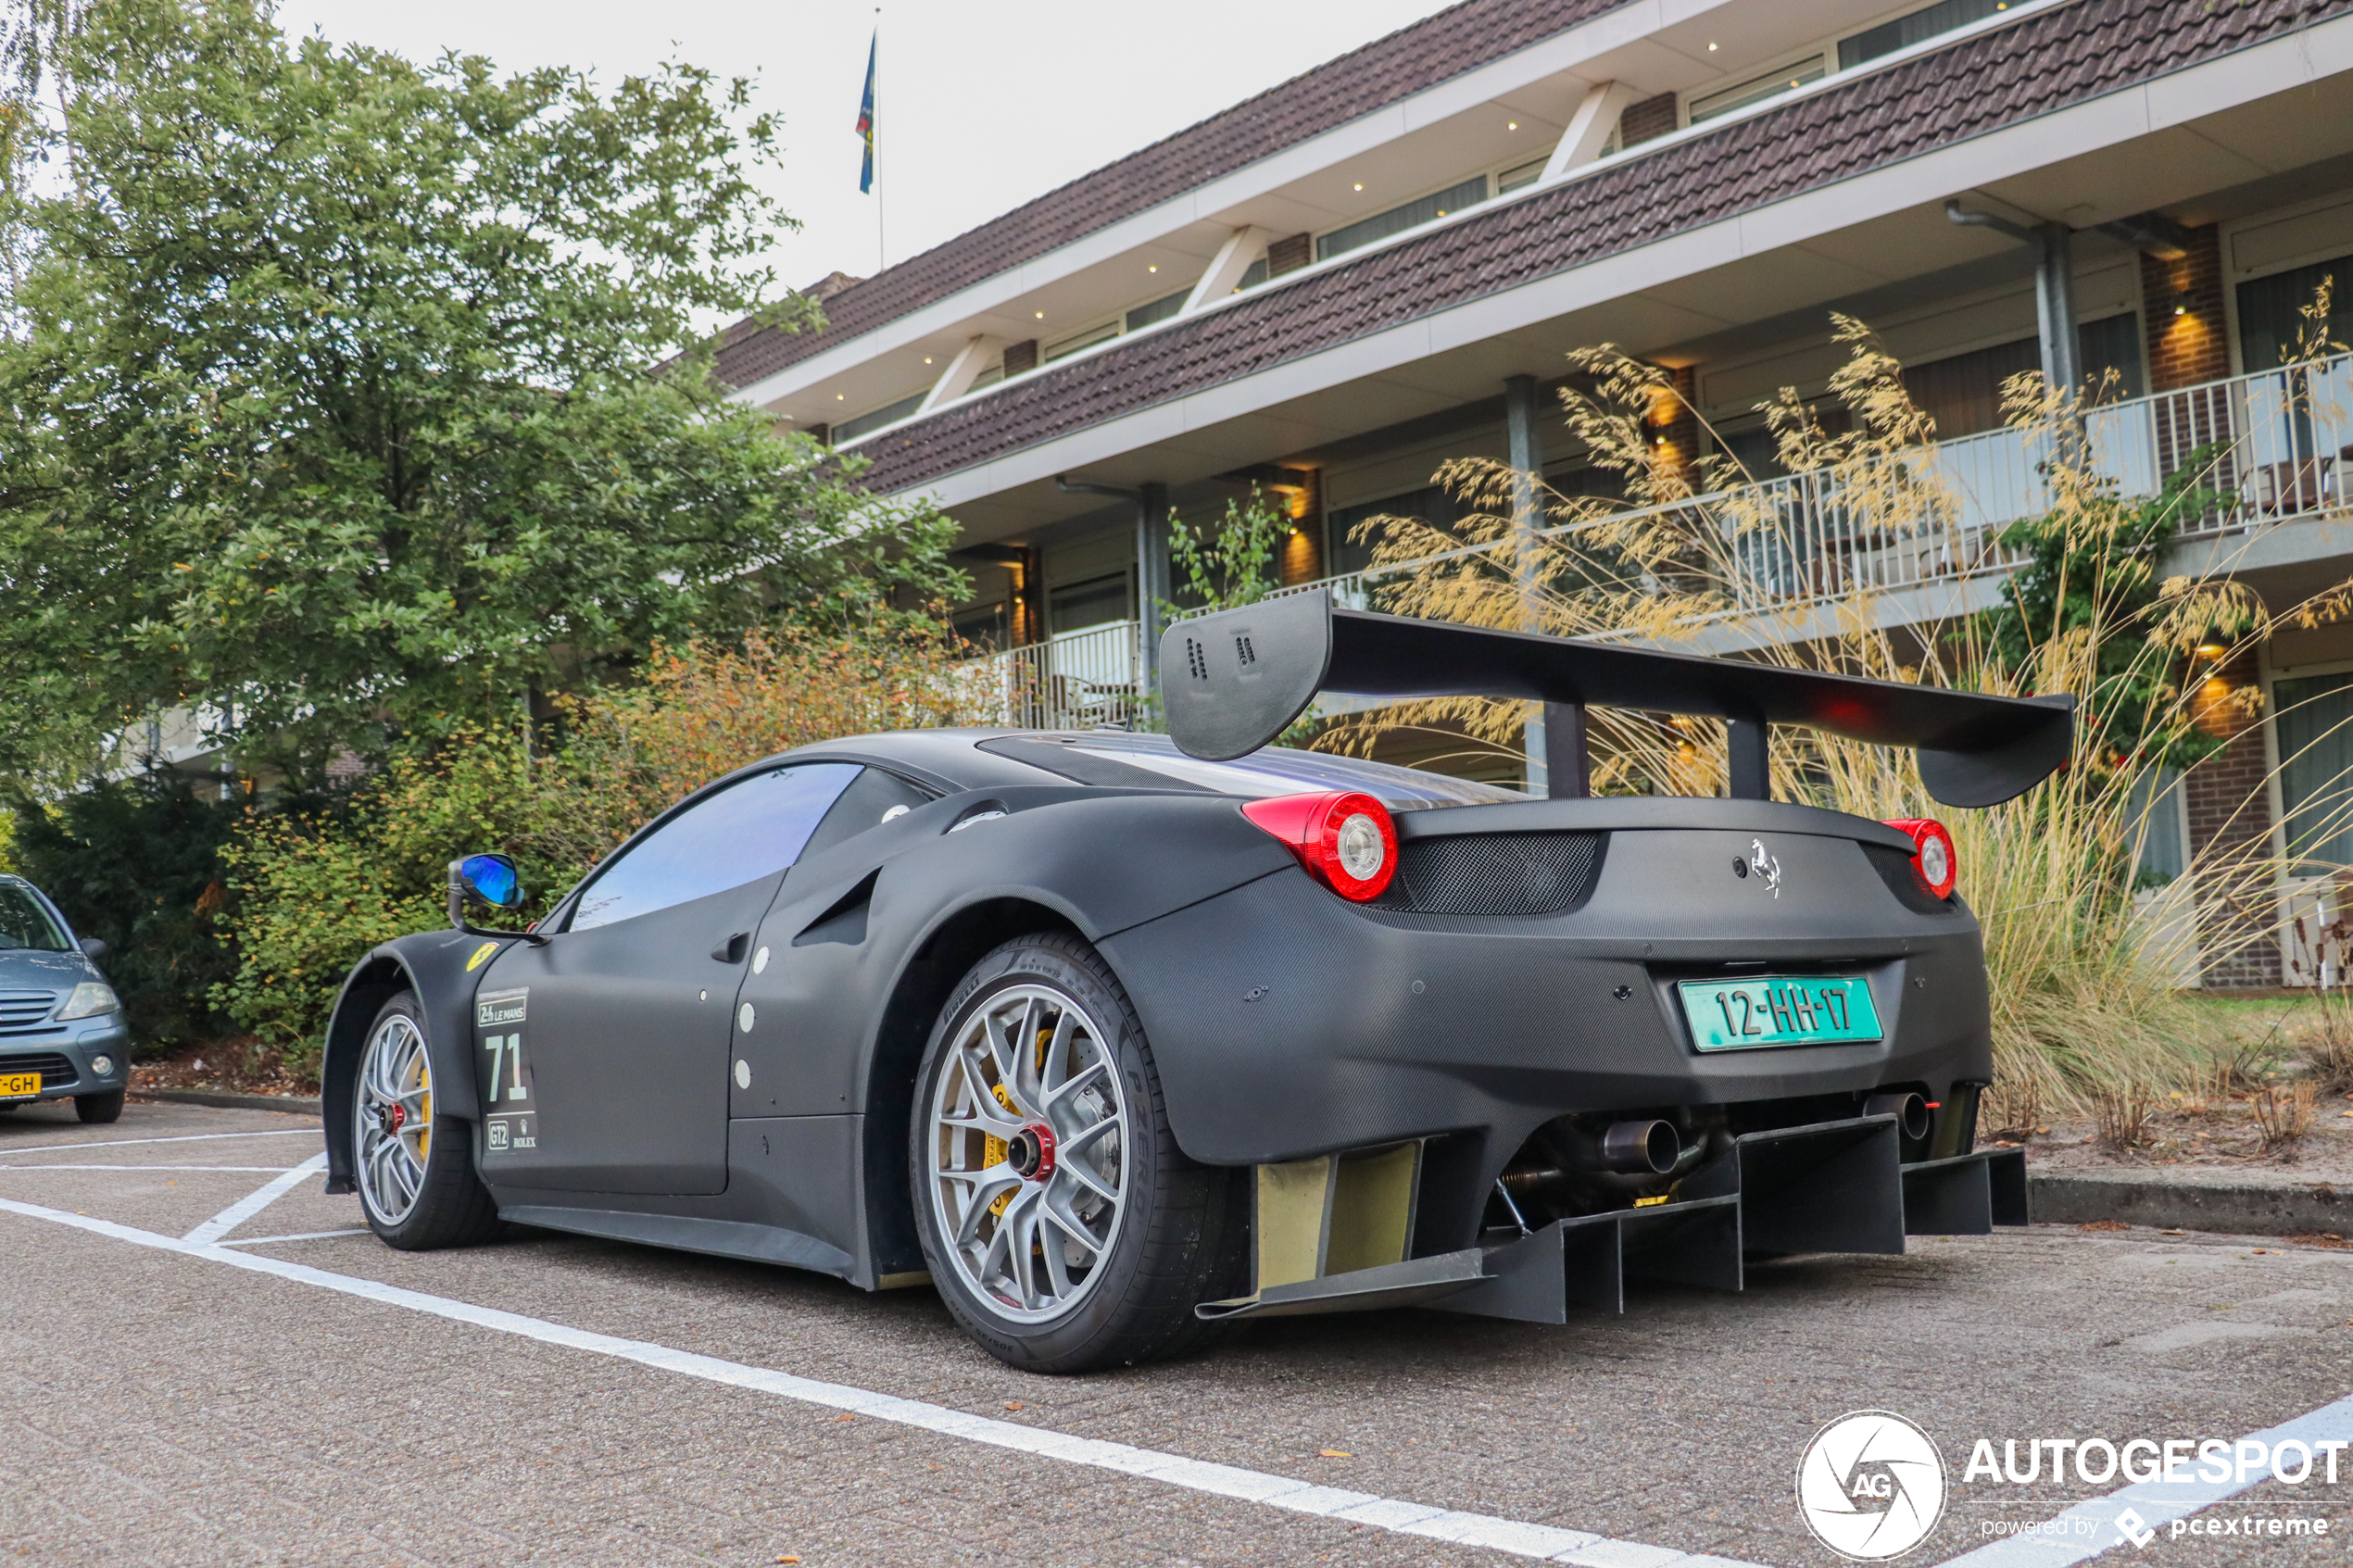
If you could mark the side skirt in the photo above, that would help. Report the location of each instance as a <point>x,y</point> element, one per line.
<point>719,1239</point>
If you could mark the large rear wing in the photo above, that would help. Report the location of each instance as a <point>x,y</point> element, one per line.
<point>1235,679</point>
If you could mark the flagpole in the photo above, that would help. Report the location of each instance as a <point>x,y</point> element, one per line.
<point>882,186</point>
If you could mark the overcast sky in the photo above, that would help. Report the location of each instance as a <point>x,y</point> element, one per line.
<point>984,105</point>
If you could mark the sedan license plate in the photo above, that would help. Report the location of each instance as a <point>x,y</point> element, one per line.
<point>18,1085</point>
<point>1772,1010</point>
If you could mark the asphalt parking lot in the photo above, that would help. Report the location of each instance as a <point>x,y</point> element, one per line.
<point>551,1398</point>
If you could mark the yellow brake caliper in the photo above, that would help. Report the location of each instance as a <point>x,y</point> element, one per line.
<point>992,1151</point>
<point>424,1133</point>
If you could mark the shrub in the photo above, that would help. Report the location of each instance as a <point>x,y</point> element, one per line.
<point>313,893</point>
<point>134,862</point>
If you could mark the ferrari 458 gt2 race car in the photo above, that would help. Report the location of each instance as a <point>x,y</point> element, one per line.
<point>1116,1037</point>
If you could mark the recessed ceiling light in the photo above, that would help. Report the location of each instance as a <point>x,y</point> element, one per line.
<point>1711,48</point>
<point>1513,125</point>
<point>1041,315</point>
<point>1152,268</point>
<point>840,395</point>
<point>927,358</point>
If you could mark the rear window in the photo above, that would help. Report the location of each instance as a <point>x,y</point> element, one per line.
<point>1276,769</point>
<point>25,921</point>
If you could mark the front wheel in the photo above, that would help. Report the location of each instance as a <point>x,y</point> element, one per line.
<point>106,1107</point>
<point>1063,1227</point>
<point>415,1169</point>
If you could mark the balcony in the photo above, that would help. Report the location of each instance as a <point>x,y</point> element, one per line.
<point>1074,681</point>
<point>2284,439</point>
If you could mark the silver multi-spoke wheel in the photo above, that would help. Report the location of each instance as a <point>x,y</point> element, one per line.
<point>393,1119</point>
<point>1029,1145</point>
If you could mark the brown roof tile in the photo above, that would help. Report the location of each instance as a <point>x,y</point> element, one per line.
<point>2034,66</point>
<point>1457,39</point>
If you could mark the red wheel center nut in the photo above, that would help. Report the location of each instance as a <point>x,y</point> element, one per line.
<point>1031,1152</point>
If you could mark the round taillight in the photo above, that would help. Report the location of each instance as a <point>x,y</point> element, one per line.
<point>1344,838</point>
<point>1934,860</point>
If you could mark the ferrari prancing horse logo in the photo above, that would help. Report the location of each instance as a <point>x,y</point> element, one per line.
<point>1767,867</point>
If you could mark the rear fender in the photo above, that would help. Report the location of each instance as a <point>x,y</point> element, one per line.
<point>442,968</point>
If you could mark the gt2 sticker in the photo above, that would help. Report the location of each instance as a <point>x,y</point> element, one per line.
<point>510,1121</point>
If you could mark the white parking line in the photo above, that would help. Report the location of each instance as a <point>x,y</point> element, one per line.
<point>254,1202</point>
<point>245,1170</point>
<point>2156,1503</point>
<point>299,1235</point>
<point>176,1137</point>
<point>1517,1537</point>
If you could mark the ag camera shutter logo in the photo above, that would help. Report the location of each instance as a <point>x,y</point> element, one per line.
<point>1871,1485</point>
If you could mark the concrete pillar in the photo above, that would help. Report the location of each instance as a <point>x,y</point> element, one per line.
<point>1151,575</point>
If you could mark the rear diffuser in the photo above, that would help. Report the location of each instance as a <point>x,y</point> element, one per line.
<point>1834,1186</point>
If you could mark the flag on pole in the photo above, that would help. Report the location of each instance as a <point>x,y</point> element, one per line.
<point>866,117</point>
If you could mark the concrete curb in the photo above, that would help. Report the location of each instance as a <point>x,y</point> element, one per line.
<point>2234,1208</point>
<point>298,1105</point>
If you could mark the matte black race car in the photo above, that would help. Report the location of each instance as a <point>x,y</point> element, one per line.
<point>1113,1037</point>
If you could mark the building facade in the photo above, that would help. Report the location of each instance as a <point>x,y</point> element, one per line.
<point>1326,291</point>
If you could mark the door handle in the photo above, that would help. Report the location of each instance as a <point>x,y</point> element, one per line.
<point>732,950</point>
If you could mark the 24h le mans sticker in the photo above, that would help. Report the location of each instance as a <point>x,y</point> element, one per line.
<point>509,1120</point>
<point>1871,1485</point>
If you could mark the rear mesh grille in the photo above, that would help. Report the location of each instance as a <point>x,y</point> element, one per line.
<point>55,1070</point>
<point>1496,873</point>
<point>1894,868</point>
<point>23,1009</point>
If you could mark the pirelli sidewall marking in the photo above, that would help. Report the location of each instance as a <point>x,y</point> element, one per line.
<point>511,1118</point>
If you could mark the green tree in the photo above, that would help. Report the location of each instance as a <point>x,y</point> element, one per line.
<point>347,398</point>
<point>2092,571</point>
<point>1231,563</point>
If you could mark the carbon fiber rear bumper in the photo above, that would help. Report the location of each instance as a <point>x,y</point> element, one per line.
<point>1834,1186</point>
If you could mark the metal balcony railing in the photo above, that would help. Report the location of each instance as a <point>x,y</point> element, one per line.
<point>1076,680</point>
<point>2284,445</point>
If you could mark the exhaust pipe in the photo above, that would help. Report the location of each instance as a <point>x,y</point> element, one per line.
<point>1644,1149</point>
<point>1910,1111</point>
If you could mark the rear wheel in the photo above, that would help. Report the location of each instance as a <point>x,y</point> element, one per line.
<point>1063,1227</point>
<point>106,1107</point>
<point>415,1169</point>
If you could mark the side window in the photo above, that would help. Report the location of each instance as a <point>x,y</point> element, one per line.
<point>744,833</point>
<point>863,805</point>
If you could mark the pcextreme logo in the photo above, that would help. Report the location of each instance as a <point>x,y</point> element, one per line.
<point>1871,1485</point>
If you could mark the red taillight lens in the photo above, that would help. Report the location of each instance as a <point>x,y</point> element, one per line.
<point>1933,858</point>
<point>1344,839</point>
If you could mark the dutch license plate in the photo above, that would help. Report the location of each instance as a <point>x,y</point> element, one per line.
<point>1772,1010</point>
<point>16,1085</point>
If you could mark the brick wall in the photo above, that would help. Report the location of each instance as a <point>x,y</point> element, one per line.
<point>1021,358</point>
<point>2228,809</point>
<point>1674,427</point>
<point>1651,117</point>
<point>1290,254</point>
<point>1302,555</point>
<point>2189,333</point>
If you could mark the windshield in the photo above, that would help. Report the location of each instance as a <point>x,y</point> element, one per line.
<point>25,921</point>
<point>1278,770</point>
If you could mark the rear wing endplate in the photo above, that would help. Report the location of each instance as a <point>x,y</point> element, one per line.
<point>1234,680</point>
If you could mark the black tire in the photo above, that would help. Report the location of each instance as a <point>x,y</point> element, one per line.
<point>1175,1245</point>
<point>451,1206</point>
<point>100,1107</point>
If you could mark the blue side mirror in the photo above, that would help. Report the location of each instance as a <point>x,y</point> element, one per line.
<point>494,879</point>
